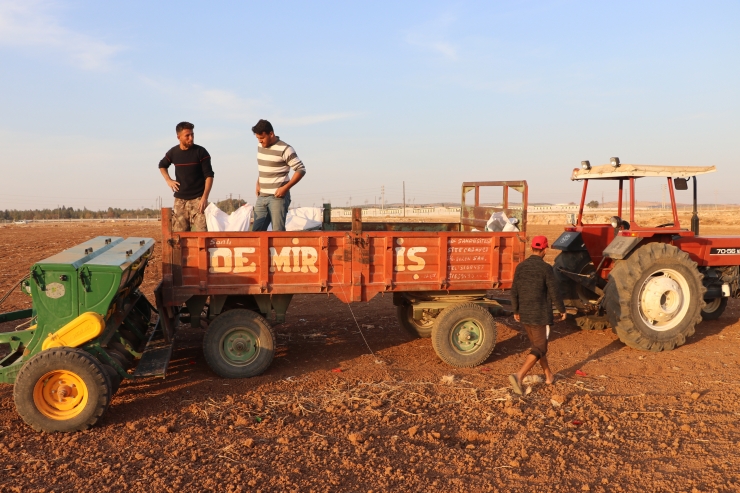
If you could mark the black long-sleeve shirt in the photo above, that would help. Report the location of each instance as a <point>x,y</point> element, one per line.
<point>534,291</point>
<point>192,167</point>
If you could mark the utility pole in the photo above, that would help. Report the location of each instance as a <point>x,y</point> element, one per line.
<point>404,199</point>
<point>382,193</point>
<point>662,196</point>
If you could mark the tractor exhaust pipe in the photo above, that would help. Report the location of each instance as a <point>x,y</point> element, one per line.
<point>694,215</point>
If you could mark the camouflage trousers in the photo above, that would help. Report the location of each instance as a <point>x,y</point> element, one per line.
<point>186,217</point>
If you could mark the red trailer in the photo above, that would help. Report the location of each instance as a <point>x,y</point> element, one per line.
<point>438,274</point>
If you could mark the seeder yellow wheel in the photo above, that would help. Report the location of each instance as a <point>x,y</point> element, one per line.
<point>60,395</point>
<point>62,389</point>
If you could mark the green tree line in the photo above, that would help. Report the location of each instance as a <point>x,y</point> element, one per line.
<point>228,206</point>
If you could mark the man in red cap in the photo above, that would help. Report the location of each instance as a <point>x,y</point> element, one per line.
<point>533,293</point>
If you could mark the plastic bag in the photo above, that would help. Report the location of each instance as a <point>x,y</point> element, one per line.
<point>218,220</point>
<point>500,222</point>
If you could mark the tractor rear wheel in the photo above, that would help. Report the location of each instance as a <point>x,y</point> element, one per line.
<point>573,293</point>
<point>417,328</point>
<point>239,344</point>
<point>654,297</point>
<point>464,335</point>
<point>62,389</point>
<point>713,309</point>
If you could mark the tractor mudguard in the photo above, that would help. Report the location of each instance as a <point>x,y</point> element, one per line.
<point>569,241</point>
<point>621,246</point>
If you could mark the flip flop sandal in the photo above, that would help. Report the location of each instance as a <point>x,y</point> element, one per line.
<point>515,384</point>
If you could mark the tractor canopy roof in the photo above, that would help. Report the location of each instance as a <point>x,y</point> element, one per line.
<point>609,172</point>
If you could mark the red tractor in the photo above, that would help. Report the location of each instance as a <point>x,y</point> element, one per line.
<point>651,284</point>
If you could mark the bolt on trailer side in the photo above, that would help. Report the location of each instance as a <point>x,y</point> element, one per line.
<point>428,267</point>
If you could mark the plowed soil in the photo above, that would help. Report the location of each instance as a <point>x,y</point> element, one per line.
<point>366,407</point>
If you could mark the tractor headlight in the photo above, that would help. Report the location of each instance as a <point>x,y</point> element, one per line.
<point>586,165</point>
<point>615,221</point>
<point>614,162</point>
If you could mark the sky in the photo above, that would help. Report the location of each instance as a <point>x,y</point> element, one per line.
<point>370,95</point>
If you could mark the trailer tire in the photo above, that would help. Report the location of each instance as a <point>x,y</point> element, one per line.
<point>573,293</point>
<point>464,335</point>
<point>713,309</point>
<point>417,328</point>
<point>239,344</point>
<point>654,297</point>
<point>49,373</point>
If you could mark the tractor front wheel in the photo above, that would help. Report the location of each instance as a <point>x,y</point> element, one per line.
<point>574,294</point>
<point>464,335</point>
<point>239,344</point>
<point>654,297</point>
<point>62,389</point>
<point>713,309</point>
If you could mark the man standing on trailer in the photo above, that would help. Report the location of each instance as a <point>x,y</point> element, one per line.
<point>193,180</point>
<point>275,158</point>
<point>533,293</point>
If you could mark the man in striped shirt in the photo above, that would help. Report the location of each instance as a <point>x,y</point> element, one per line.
<point>275,158</point>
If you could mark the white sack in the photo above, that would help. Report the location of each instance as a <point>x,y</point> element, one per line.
<point>218,220</point>
<point>304,218</point>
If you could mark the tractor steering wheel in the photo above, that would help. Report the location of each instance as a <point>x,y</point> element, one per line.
<point>664,225</point>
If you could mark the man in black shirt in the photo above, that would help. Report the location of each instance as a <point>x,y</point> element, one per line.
<point>193,180</point>
<point>533,293</point>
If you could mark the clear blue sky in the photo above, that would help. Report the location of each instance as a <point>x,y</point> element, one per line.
<point>368,93</point>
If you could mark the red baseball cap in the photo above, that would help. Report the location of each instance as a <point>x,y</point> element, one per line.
<point>539,242</point>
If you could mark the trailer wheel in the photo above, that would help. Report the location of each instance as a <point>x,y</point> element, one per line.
<point>62,389</point>
<point>713,309</point>
<point>417,328</point>
<point>573,293</point>
<point>239,344</point>
<point>464,335</point>
<point>656,298</point>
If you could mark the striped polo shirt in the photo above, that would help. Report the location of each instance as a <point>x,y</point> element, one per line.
<point>274,163</point>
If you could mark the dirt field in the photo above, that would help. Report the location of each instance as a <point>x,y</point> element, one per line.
<point>329,415</point>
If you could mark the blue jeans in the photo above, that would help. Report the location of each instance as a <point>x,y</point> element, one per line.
<point>270,209</point>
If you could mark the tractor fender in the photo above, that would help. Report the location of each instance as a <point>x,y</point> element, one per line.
<point>570,241</point>
<point>621,246</point>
